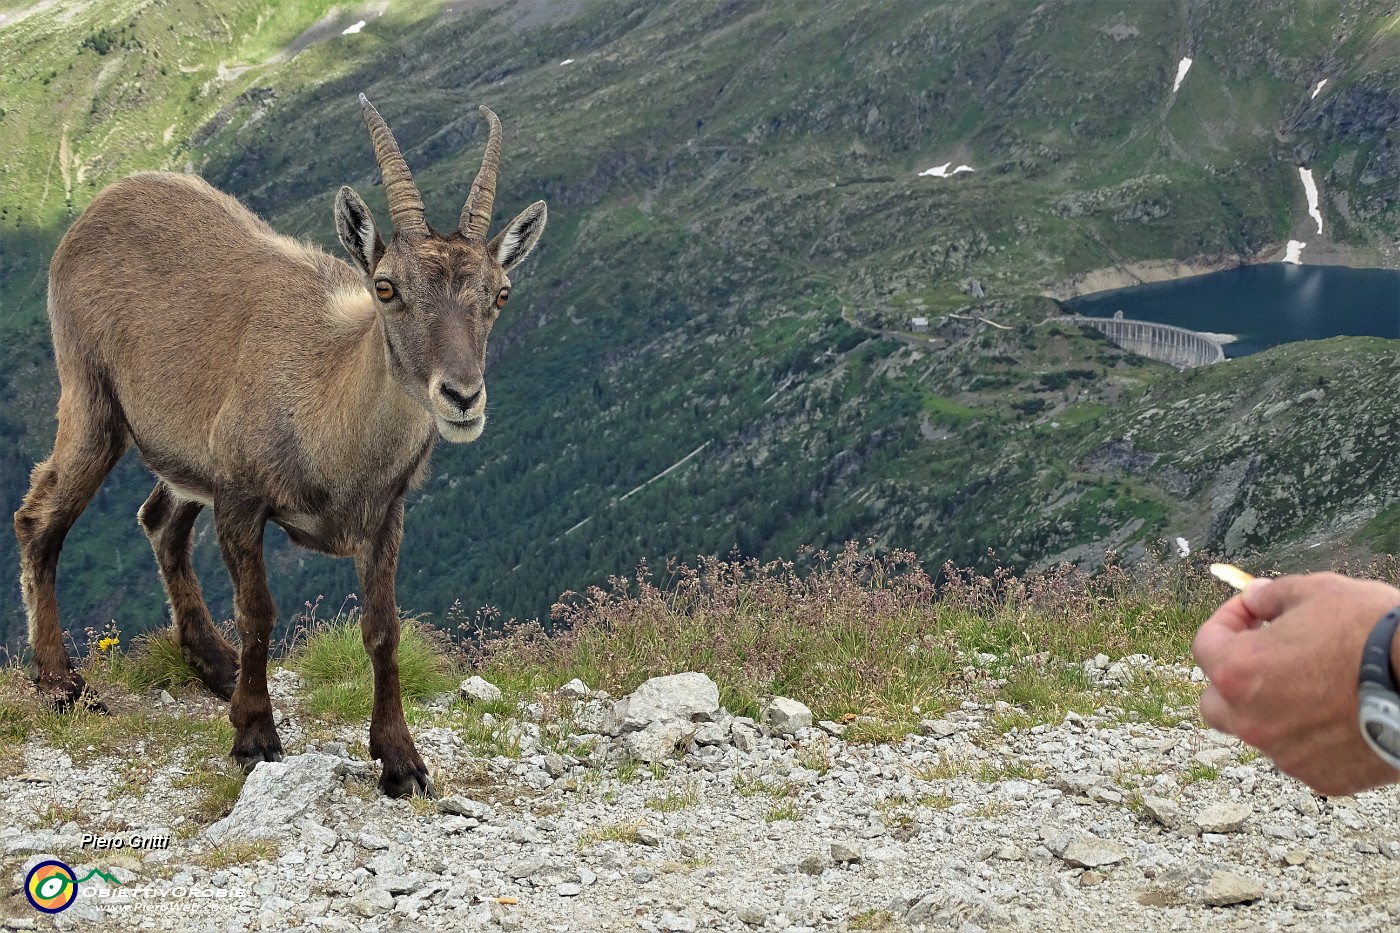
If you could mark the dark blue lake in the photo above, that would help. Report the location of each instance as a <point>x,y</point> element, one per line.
<point>1264,305</point>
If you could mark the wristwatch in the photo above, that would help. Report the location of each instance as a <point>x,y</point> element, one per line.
<point>1380,704</point>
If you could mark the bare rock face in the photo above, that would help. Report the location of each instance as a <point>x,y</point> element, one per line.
<point>276,794</point>
<point>688,697</point>
<point>656,742</point>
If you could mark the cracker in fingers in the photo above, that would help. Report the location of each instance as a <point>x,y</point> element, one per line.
<point>1232,575</point>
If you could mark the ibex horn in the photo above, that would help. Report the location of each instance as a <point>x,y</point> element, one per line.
<point>405,203</point>
<point>476,213</point>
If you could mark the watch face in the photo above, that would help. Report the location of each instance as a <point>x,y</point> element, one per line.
<point>1385,734</point>
<point>1380,722</point>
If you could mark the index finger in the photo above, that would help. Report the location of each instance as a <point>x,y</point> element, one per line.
<point>1213,639</point>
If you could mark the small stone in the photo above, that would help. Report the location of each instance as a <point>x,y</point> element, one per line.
<point>812,865</point>
<point>786,716</point>
<point>648,836</point>
<point>1227,887</point>
<point>711,733</point>
<point>675,923</point>
<point>569,889</point>
<point>1295,857</point>
<point>463,806</point>
<point>1092,852</point>
<point>1089,879</point>
<point>1214,757</point>
<point>525,868</point>
<point>753,916</point>
<point>166,699</point>
<point>477,690</point>
<point>373,840</point>
<point>555,766</point>
<point>939,727</point>
<point>844,853</point>
<point>574,689</point>
<point>372,902</point>
<point>1223,817</point>
<point>1010,853</point>
<point>833,729</point>
<point>1162,809</point>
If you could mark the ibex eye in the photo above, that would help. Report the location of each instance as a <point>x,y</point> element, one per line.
<point>501,297</point>
<point>384,289</point>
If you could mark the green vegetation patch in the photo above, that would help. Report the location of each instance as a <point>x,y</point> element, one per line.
<point>331,658</point>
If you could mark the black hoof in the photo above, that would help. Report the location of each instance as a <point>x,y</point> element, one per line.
<point>93,705</point>
<point>411,783</point>
<point>250,760</point>
<point>68,691</point>
<point>221,684</point>
<point>219,675</point>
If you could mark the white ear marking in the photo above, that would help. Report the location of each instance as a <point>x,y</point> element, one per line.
<point>509,242</point>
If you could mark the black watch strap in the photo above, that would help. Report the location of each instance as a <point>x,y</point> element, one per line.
<point>1376,666</point>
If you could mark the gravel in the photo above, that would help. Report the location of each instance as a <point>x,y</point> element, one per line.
<point>1089,823</point>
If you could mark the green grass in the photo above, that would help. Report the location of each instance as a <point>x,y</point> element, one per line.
<point>1382,533</point>
<point>331,658</point>
<point>154,662</point>
<point>610,832</point>
<point>674,801</point>
<point>872,639</point>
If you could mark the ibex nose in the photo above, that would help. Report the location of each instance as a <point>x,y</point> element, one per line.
<point>464,400</point>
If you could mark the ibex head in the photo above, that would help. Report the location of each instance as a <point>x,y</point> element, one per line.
<point>437,295</point>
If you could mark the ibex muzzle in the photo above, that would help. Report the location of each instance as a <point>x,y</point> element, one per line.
<point>275,383</point>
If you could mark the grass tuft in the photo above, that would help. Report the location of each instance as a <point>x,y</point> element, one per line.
<point>610,832</point>
<point>155,662</point>
<point>330,656</point>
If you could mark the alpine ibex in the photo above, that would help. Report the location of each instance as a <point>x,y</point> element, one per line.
<point>275,383</point>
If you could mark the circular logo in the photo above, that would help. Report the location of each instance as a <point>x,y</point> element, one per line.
<point>51,886</point>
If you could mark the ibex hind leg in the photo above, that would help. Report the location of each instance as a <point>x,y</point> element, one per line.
<point>91,438</point>
<point>168,521</point>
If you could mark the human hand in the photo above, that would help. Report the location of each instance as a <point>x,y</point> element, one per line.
<point>1290,689</point>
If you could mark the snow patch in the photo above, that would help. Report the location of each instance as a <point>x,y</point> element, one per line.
<point>1182,67</point>
<point>1183,547</point>
<point>941,171</point>
<point>567,61</point>
<point>1310,187</point>
<point>1317,89</point>
<point>1294,253</point>
<point>351,30</point>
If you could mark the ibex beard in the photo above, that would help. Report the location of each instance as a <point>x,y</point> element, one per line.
<point>272,382</point>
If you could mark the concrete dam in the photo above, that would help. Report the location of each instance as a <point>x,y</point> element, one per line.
<point>1175,346</point>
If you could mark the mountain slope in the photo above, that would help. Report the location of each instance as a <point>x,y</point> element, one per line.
<point>739,234</point>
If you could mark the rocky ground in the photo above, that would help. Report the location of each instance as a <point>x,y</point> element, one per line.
<point>662,812</point>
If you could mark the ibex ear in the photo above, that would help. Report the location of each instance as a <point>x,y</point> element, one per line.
<point>358,234</point>
<point>513,244</point>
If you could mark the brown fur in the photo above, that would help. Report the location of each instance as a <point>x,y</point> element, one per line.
<point>266,379</point>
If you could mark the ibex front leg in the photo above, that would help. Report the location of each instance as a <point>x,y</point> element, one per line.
<point>239,523</point>
<point>389,740</point>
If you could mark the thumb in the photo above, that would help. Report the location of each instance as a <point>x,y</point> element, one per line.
<point>1268,598</point>
<point>1217,634</point>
